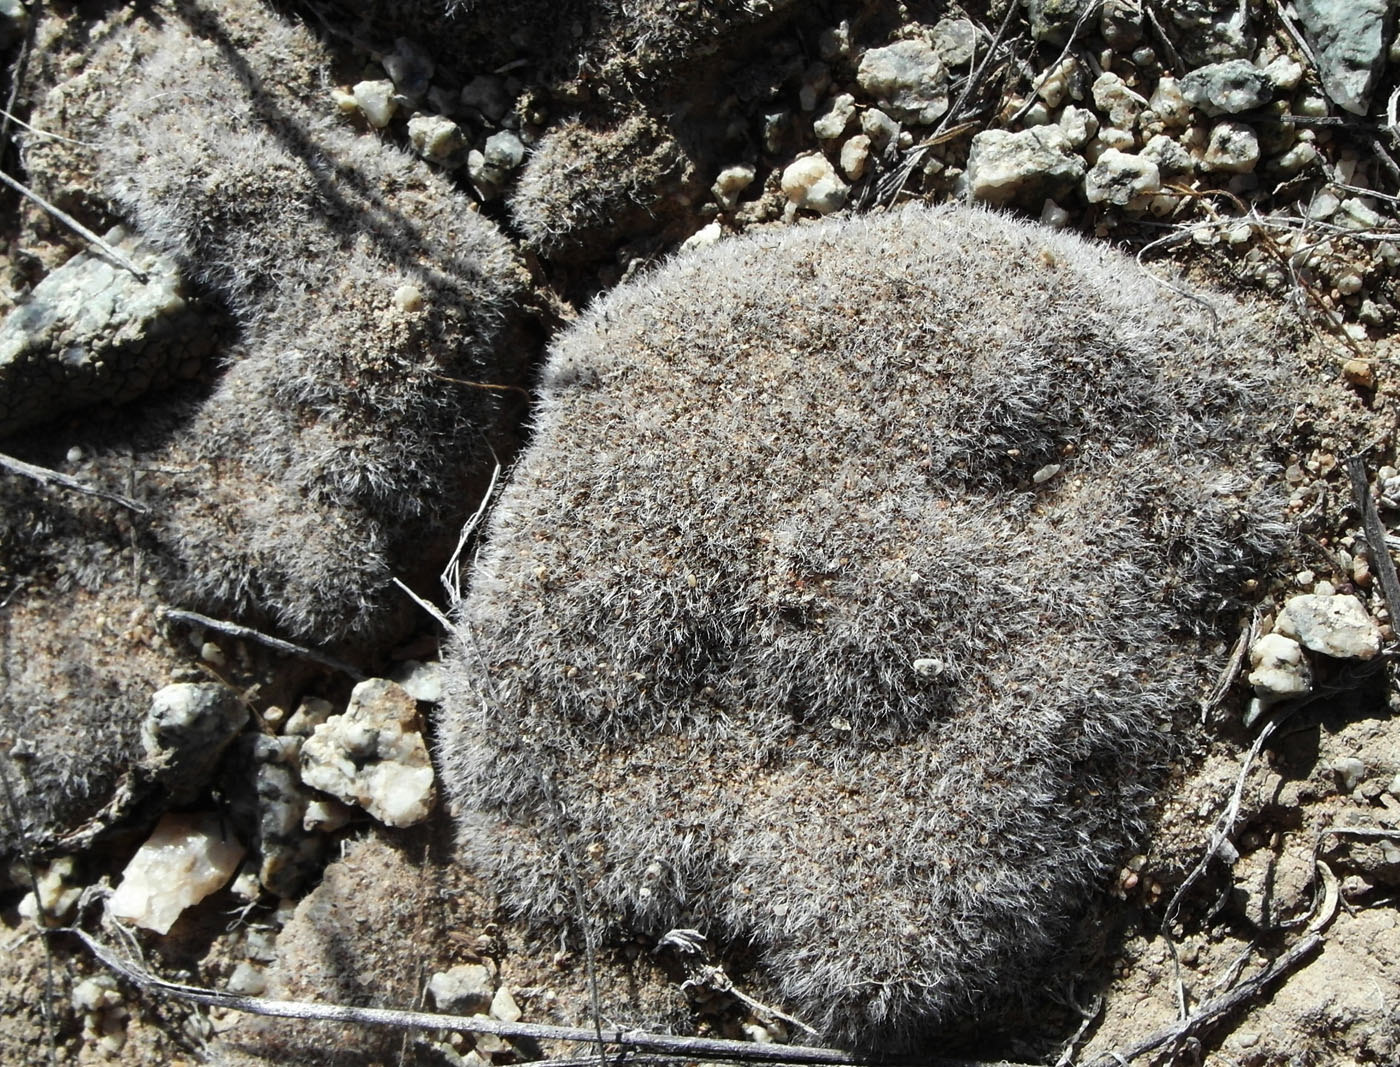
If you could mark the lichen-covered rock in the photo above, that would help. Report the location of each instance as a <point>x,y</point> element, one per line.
<point>1349,39</point>
<point>785,629</point>
<point>93,332</point>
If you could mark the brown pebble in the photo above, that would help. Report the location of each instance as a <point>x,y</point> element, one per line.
<point>1359,372</point>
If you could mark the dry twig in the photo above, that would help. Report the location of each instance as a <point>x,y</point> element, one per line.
<point>1375,533</point>
<point>45,476</point>
<point>233,629</point>
<point>669,1045</point>
<point>1213,1010</point>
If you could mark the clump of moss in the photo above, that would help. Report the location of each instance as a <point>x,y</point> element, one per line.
<point>846,598</point>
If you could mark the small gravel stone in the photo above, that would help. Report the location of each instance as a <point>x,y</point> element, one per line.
<point>1058,82</point>
<point>1052,20</point>
<point>467,989</point>
<point>955,41</point>
<point>376,101</point>
<point>1171,158</point>
<point>855,155</point>
<point>289,858</point>
<point>1284,73</point>
<point>1025,167</point>
<point>92,332</point>
<point>310,713</point>
<point>1119,179</point>
<point>879,127</point>
<point>247,980</point>
<point>409,67</point>
<point>812,184</point>
<point>1120,24</point>
<point>1169,104</point>
<point>435,138</point>
<point>504,1007</point>
<point>1336,626</point>
<point>1079,125</point>
<point>186,858</point>
<point>836,118</point>
<point>834,42</point>
<point>731,182</point>
<point>373,755</point>
<point>187,728</point>
<point>1233,148</point>
<point>421,681</point>
<point>504,151</point>
<point>1280,670</point>
<point>486,96</point>
<point>1112,94</point>
<point>815,82</point>
<point>1350,772</point>
<point>908,79</point>
<point>1227,88</point>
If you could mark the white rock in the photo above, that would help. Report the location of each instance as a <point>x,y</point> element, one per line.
<point>1233,148</point>
<point>1118,178</point>
<point>186,858</point>
<point>879,127</point>
<point>1079,125</point>
<point>373,755</point>
<point>57,892</point>
<point>835,118</point>
<point>1280,668</point>
<point>705,235</point>
<point>467,989</point>
<point>1030,165</point>
<point>730,183</point>
<point>1123,105</point>
<point>325,816</point>
<point>1169,104</point>
<point>310,713</point>
<point>855,155</point>
<point>435,138</point>
<point>812,184</point>
<point>421,681</point>
<point>376,101</point>
<point>504,1007</point>
<point>908,79</point>
<point>955,41</point>
<point>1336,626</point>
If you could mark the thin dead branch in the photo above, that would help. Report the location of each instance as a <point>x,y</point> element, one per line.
<point>47,477</point>
<point>1375,533</point>
<point>233,629</point>
<point>115,254</point>
<point>1224,826</point>
<point>639,1040</point>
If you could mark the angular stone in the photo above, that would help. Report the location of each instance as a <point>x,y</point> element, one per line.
<point>1025,167</point>
<point>1336,626</point>
<point>908,79</point>
<point>373,755</point>
<point>1348,37</point>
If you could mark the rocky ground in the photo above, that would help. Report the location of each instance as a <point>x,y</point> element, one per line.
<point>414,199</point>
